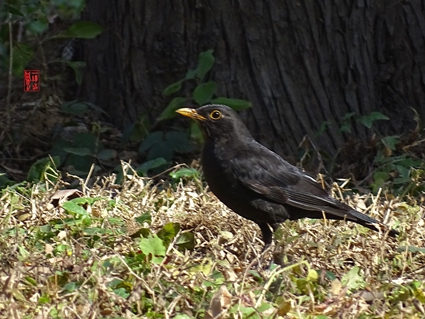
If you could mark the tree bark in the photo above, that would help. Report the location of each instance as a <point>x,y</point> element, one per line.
<point>301,62</point>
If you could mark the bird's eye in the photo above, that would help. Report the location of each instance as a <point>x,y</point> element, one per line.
<point>215,115</point>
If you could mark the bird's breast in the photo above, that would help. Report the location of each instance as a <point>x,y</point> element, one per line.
<point>218,174</point>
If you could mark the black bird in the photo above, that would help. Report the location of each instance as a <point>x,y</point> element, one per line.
<point>258,184</point>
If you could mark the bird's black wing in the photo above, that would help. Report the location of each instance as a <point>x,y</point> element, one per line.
<point>266,173</point>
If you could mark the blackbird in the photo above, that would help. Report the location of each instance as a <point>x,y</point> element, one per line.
<point>258,184</point>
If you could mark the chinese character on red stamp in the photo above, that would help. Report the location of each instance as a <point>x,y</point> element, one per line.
<point>31,80</point>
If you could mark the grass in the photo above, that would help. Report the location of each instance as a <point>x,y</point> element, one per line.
<point>161,250</point>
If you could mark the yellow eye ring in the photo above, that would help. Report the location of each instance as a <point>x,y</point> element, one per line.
<point>215,115</point>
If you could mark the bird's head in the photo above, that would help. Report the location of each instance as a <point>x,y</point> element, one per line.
<point>217,121</point>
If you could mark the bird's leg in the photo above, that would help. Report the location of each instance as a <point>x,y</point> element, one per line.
<point>278,253</point>
<point>267,238</point>
<point>267,235</point>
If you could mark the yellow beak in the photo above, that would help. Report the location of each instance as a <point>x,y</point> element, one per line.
<point>191,113</point>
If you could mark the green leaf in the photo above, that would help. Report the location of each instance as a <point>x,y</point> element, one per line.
<point>44,168</point>
<point>74,209</point>
<point>348,116</point>
<point>74,108</point>
<point>411,249</point>
<point>153,246</point>
<point>196,132</point>
<point>137,131</point>
<point>145,217</point>
<point>402,180</point>
<point>38,26</point>
<point>107,154</point>
<point>168,232</point>
<point>163,149</point>
<point>44,299</point>
<point>352,280</point>
<point>235,104</point>
<point>190,74</point>
<point>408,162</point>
<point>418,292</point>
<point>70,287</point>
<point>13,10</point>
<point>122,293</point>
<point>384,176</point>
<point>23,252</point>
<point>184,172</point>
<point>248,312</point>
<point>142,232</point>
<point>86,200</point>
<point>152,164</point>
<point>379,179</point>
<point>173,88</point>
<point>312,275</point>
<point>323,127</point>
<point>150,140</point>
<point>78,67</point>
<point>329,275</point>
<point>79,108</point>
<point>346,122</point>
<point>86,139</point>
<point>403,171</point>
<point>367,120</point>
<point>79,165</point>
<point>186,240</point>
<point>96,231</point>
<point>204,92</point>
<point>391,141</point>
<point>132,133</point>
<point>205,63</point>
<point>22,54</point>
<point>5,181</point>
<point>82,30</point>
<point>345,127</point>
<point>115,283</point>
<point>170,111</point>
<point>160,145</point>
<point>31,281</point>
<point>80,151</point>
<point>179,142</point>
<point>205,266</point>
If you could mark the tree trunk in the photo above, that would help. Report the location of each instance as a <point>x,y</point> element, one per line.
<point>300,63</point>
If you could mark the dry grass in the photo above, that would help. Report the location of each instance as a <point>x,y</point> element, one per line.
<point>53,265</point>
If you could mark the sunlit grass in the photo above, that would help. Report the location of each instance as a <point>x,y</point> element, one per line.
<point>158,250</point>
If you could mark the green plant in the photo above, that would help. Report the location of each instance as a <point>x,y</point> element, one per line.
<point>45,169</point>
<point>401,174</point>
<point>29,32</point>
<point>393,169</point>
<point>82,148</point>
<point>345,125</point>
<point>201,93</point>
<point>4,180</point>
<point>190,173</point>
<point>193,89</point>
<point>67,255</point>
<point>33,19</point>
<point>153,246</point>
<point>163,145</point>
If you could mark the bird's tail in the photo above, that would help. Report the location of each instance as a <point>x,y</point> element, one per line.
<point>369,222</point>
